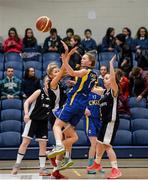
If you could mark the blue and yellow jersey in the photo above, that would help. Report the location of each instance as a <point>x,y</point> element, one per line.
<point>80,92</point>
<point>94,105</point>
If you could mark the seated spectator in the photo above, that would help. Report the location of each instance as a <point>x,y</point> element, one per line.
<point>89,44</point>
<point>10,85</point>
<point>53,42</point>
<point>69,33</point>
<point>103,72</point>
<point>1,45</point>
<point>123,82</point>
<point>13,43</point>
<point>128,39</point>
<point>108,42</point>
<point>141,47</point>
<point>30,82</point>
<point>29,41</point>
<point>75,59</point>
<point>138,83</point>
<point>125,54</point>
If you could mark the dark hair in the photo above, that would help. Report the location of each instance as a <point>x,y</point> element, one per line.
<point>108,31</point>
<point>9,67</point>
<point>53,30</point>
<point>33,39</point>
<point>26,75</point>
<point>119,74</point>
<point>70,30</point>
<point>138,32</point>
<point>87,30</point>
<point>128,30</point>
<point>136,71</point>
<point>16,35</point>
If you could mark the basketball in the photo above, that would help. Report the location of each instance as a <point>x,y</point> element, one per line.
<point>43,24</point>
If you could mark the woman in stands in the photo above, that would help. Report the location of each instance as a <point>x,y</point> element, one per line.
<point>36,119</point>
<point>13,43</point>
<point>110,122</point>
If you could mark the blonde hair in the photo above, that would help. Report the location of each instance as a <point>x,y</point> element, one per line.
<point>91,58</point>
<point>50,68</point>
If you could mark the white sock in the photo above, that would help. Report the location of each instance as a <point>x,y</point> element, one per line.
<point>57,162</point>
<point>67,155</point>
<point>59,143</point>
<point>114,164</point>
<point>98,159</point>
<point>19,158</point>
<point>42,160</point>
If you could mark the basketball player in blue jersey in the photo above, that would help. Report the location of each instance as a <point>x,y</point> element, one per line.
<point>77,99</point>
<point>92,125</point>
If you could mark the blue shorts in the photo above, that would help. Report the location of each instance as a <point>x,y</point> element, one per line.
<point>70,113</point>
<point>92,126</point>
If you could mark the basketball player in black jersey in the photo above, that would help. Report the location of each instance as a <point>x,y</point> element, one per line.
<point>36,119</point>
<point>110,122</point>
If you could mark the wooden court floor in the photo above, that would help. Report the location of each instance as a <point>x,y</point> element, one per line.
<point>131,169</point>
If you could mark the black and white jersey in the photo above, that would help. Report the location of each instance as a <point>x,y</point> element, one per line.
<point>40,108</point>
<point>108,105</point>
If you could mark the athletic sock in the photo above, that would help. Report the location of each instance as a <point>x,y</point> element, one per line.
<point>19,158</point>
<point>98,159</point>
<point>59,143</point>
<point>114,164</point>
<point>67,155</point>
<point>42,160</point>
<point>90,161</point>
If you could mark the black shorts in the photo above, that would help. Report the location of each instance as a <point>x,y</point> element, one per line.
<point>37,128</point>
<point>108,132</point>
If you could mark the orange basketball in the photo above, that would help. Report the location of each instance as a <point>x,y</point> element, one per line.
<point>43,24</point>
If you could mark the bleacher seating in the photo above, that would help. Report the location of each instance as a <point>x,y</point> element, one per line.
<point>13,57</point>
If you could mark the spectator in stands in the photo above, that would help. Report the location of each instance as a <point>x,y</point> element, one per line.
<point>123,83</point>
<point>108,42</point>
<point>89,44</point>
<point>10,85</point>
<point>128,39</point>
<point>53,42</point>
<point>29,41</point>
<point>125,54</point>
<point>139,83</point>
<point>13,43</point>
<point>69,34</point>
<point>30,82</point>
<point>141,47</point>
<point>1,44</point>
<point>75,59</point>
<point>103,72</point>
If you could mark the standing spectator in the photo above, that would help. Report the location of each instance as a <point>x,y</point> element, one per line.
<point>108,42</point>
<point>29,41</point>
<point>89,44</point>
<point>139,83</point>
<point>128,39</point>
<point>53,42</point>
<point>30,82</point>
<point>141,47</point>
<point>103,72</point>
<point>125,54</point>
<point>13,43</point>
<point>10,85</point>
<point>69,34</point>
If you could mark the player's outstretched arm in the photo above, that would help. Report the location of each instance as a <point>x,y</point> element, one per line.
<point>114,85</point>
<point>70,71</point>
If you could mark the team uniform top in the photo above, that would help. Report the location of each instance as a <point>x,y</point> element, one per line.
<point>40,108</point>
<point>108,105</point>
<point>80,92</point>
<point>94,105</point>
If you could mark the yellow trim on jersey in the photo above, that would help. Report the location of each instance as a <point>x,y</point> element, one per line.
<point>84,79</point>
<point>87,124</point>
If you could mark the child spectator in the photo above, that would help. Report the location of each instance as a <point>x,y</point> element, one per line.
<point>128,39</point>
<point>103,72</point>
<point>69,33</point>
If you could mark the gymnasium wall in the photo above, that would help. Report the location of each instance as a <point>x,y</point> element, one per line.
<point>78,14</point>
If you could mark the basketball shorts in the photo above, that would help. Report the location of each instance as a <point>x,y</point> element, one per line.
<point>108,132</point>
<point>37,128</point>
